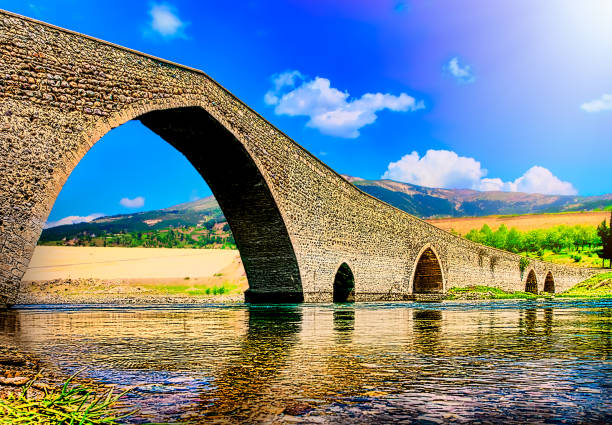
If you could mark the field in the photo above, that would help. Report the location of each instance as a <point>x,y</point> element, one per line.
<point>524,222</point>
<point>91,274</point>
<point>61,262</point>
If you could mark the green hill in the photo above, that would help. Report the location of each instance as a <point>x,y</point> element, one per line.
<point>424,202</point>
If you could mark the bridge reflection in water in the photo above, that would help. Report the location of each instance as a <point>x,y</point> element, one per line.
<point>516,362</point>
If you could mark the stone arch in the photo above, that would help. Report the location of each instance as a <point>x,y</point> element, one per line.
<point>237,182</point>
<point>531,283</point>
<point>344,284</point>
<point>427,275</point>
<point>549,283</point>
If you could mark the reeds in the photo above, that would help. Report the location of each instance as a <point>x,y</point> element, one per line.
<point>72,404</point>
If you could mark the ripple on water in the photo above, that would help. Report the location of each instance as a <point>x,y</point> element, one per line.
<point>461,362</point>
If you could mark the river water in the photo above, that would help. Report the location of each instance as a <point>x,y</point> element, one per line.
<point>454,362</point>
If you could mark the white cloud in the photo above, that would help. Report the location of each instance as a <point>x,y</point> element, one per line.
<point>462,74</point>
<point>137,202</point>
<point>604,103</point>
<point>331,111</point>
<point>436,169</point>
<point>165,22</point>
<point>73,219</point>
<point>446,169</point>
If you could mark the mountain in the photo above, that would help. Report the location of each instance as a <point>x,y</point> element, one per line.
<point>427,202</point>
<point>203,212</point>
<point>424,202</point>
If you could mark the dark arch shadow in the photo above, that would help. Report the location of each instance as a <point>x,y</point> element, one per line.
<point>344,324</point>
<point>264,352</point>
<point>243,195</point>
<point>427,326</point>
<point>344,285</point>
<point>531,285</point>
<point>549,283</point>
<point>428,274</point>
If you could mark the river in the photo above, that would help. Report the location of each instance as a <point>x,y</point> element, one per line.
<point>453,362</point>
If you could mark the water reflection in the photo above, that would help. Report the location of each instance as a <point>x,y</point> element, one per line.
<point>249,374</point>
<point>427,328</point>
<point>529,321</point>
<point>9,323</point>
<point>514,362</point>
<point>344,324</point>
<point>548,321</point>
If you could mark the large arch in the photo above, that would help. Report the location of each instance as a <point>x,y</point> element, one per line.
<point>240,189</point>
<point>62,91</point>
<point>531,284</point>
<point>344,285</point>
<point>428,277</point>
<point>549,283</point>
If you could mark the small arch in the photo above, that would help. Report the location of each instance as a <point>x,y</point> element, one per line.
<point>344,285</point>
<point>531,285</point>
<point>549,283</point>
<point>428,277</point>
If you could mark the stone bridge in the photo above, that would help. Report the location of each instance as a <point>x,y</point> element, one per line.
<point>304,233</point>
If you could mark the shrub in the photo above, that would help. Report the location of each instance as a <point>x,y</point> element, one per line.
<point>577,257</point>
<point>523,263</point>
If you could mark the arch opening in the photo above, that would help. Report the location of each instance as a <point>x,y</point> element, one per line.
<point>243,195</point>
<point>428,274</point>
<point>549,283</point>
<point>344,285</point>
<point>531,285</point>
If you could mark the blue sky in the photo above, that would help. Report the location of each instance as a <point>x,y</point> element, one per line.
<point>507,95</point>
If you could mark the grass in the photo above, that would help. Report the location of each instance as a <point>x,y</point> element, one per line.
<point>71,404</point>
<point>193,290</point>
<point>598,286</point>
<point>486,292</point>
<point>588,257</point>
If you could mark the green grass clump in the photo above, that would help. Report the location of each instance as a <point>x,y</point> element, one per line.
<point>192,290</point>
<point>169,289</point>
<point>487,292</point>
<point>598,286</point>
<point>224,288</point>
<point>71,404</point>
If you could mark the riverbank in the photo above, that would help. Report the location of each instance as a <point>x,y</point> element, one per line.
<point>91,275</point>
<point>599,286</point>
<point>65,262</point>
<point>19,367</point>
<point>31,394</point>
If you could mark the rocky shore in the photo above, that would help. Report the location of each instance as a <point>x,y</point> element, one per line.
<point>105,291</point>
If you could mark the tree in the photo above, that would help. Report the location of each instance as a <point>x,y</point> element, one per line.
<point>486,235</point>
<point>473,235</point>
<point>605,233</point>
<point>498,238</point>
<point>514,240</point>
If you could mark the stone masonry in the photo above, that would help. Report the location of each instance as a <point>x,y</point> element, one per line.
<point>294,219</point>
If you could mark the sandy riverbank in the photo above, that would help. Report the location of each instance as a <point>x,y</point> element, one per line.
<point>86,275</point>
